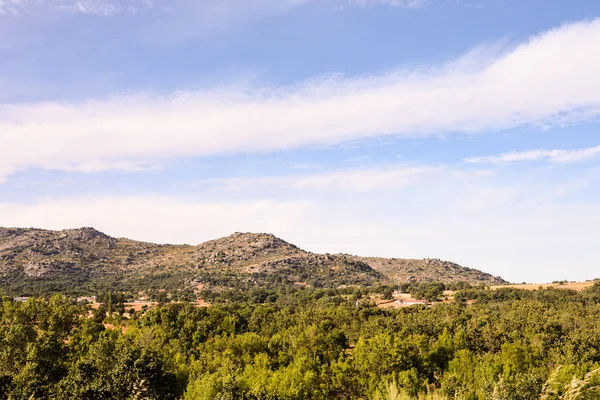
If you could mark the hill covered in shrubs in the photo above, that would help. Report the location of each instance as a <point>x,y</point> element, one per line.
<point>83,261</point>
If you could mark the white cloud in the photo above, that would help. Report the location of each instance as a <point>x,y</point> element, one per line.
<point>551,79</point>
<point>554,156</point>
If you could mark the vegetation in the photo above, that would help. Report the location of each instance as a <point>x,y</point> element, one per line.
<point>510,344</point>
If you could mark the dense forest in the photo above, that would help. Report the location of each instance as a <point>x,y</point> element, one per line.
<point>310,344</point>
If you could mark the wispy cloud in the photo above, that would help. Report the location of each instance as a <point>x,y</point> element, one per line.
<point>358,180</point>
<point>216,9</point>
<point>103,7</point>
<point>551,79</point>
<point>91,7</point>
<point>391,3</point>
<point>194,8</point>
<point>554,156</point>
<point>187,17</point>
<point>445,188</point>
<point>11,7</point>
<point>414,4</point>
<point>355,180</point>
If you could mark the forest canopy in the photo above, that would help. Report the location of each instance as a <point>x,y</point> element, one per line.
<point>311,344</point>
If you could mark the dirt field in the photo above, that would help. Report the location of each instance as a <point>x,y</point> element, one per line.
<point>397,302</point>
<point>449,294</point>
<point>201,303</point>
<point>137,305</point>
<point>535,286</point>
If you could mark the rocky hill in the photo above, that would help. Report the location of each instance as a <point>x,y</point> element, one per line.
<point>36,261</point>
<point>426,270</point>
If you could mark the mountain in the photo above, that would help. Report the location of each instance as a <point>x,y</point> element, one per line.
<point>80,261</point>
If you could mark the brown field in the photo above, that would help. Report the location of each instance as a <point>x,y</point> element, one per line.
<point>535,286</point>
<point>449,294</point>
<point>395,302</point>
<point>137,305</point>
<point>201,303</point>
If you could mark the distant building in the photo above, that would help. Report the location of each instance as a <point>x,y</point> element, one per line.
<point>21,299</point>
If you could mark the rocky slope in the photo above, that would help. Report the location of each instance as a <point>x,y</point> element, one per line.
<point>34,261</point>
<point>427,270</point>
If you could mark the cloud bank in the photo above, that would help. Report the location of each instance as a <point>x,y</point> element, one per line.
<point>551,79</point>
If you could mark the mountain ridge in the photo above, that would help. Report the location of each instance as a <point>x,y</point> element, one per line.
<point>86,259</point>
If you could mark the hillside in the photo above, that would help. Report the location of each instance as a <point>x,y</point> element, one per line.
<point>36,261</point>
<point>426,270</point>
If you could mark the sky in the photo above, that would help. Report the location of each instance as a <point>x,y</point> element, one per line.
<point>465,130</point>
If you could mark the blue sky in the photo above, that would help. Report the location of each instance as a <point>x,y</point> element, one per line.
<point>464,130</point>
